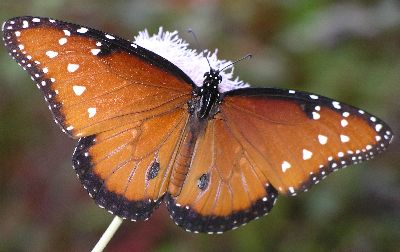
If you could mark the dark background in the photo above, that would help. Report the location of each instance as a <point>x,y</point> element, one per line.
<point>347,50</point>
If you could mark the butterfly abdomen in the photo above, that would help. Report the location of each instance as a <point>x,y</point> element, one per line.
<point>194,130</point>
<point>181,164</point>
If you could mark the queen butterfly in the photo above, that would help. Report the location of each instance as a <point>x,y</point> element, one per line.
<point>150,133</point>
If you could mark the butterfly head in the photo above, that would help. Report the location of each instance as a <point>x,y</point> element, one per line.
<point>207,96</point>
<point>212,79</point>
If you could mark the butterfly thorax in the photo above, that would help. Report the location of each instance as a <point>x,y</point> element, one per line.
<point>206,98</point>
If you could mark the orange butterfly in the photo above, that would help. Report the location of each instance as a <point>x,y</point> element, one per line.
<point>148,133</point>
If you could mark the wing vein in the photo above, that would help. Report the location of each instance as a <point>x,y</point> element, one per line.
<point>258,151</point>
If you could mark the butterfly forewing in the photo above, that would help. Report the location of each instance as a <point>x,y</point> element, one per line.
<point>298,138</point>
<point>94,81</point>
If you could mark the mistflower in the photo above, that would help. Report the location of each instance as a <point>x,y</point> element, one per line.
<point>173,48</point>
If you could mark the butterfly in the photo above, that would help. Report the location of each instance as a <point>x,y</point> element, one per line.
<point>148,133</point>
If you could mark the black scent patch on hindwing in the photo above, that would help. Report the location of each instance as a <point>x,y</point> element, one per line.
<point>203,181</point>
<point>153,170</point>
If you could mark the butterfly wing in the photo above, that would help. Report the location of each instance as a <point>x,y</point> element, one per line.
<point>269,141</point>
<point>127,104</point>
<point>127,170</point>
<point>94,81</point>
<point>223,189</point>
<point>297,138</point>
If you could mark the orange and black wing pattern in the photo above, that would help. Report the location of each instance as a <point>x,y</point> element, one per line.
<point>147,133</point>
<point>127,104</point>
<point>297,138</point>
<point>224,188</point>
<point>264,142</point>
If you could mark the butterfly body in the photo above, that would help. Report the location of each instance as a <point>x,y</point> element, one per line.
<point>202,107</point>
<point>149,133</point>
<point>185,151</point>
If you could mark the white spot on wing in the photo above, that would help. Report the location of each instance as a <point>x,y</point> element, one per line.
<point>92,112</point>
<point>72,67</point>
<point>67,33</point>
<point>25,24</point>
<point>62,41</point>
<point>307,154</point>
<point>314,97</point>
<point>344,138</point>
<point>78,90</point>
<point>344,123</point>
<point>316,115</point>
<point>82,30</point>
<point>322,139</point>
<point>336,105</point>
<point>378,127</point>
<point>95,51</point>
<point>109,36</point>
<point>285,165</point>
<point>51,54</point>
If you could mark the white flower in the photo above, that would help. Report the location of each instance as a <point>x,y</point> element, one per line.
<point>169,46</point>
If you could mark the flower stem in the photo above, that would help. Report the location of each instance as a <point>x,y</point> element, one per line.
<point>108,234</point>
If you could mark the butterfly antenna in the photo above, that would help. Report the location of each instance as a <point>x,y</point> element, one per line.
<point>198,45</point>
<point>248,56</point>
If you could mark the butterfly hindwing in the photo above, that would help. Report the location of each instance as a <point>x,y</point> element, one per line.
<point>298,138</point>
<point>127,170</point>
<point>223,188</point>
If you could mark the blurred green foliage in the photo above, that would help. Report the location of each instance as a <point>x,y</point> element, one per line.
<point>348,50</point>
